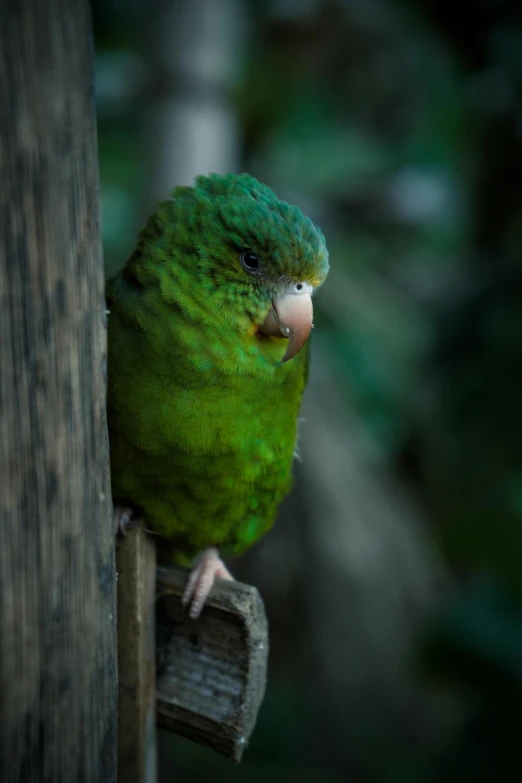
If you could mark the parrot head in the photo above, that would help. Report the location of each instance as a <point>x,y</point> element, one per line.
<point>253,256</point>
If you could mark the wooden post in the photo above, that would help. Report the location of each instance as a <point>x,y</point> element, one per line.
<point>58,668</point>
<point>205,679</point>
<point>136,566</point>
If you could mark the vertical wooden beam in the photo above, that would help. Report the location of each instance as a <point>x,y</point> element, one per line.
<point>58,668</point>
<point>203,679</point>
<point>136,565</point>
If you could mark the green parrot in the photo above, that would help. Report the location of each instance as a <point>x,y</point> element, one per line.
<point>206,326</point>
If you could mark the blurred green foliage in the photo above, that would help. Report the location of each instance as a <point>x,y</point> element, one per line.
<point>398,127</point>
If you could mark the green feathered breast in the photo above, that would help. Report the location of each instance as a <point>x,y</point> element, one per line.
<point>202,413</point>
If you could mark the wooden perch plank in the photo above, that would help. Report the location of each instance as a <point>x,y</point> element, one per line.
<point>136,565</point>
<point>211,672</point>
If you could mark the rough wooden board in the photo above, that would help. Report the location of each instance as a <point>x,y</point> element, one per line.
<point>136,565</point>
<point>211,672</point>
<point>58,668</point>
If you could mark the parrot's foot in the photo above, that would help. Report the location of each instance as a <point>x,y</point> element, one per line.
<point>124,520</point>
<point>201,580</point>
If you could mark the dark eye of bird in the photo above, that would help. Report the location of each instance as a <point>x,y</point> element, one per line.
<point>250,262</point>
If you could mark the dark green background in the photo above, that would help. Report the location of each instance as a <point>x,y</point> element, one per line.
<point>393,579</point>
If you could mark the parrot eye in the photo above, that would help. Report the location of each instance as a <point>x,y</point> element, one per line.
<point>250,262</point>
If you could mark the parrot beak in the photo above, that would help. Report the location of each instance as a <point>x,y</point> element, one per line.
<point>290,316</point>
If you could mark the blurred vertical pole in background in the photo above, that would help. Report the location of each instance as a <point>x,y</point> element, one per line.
<point>373,580</point>
<point>194,48</point>
<point>58,671</point>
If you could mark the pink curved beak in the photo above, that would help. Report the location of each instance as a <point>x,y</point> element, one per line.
<point>291,316</point>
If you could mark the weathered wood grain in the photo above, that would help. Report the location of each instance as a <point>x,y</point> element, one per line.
<point>58,668</point>
<point>136,567</point>
<point>211,672</point>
